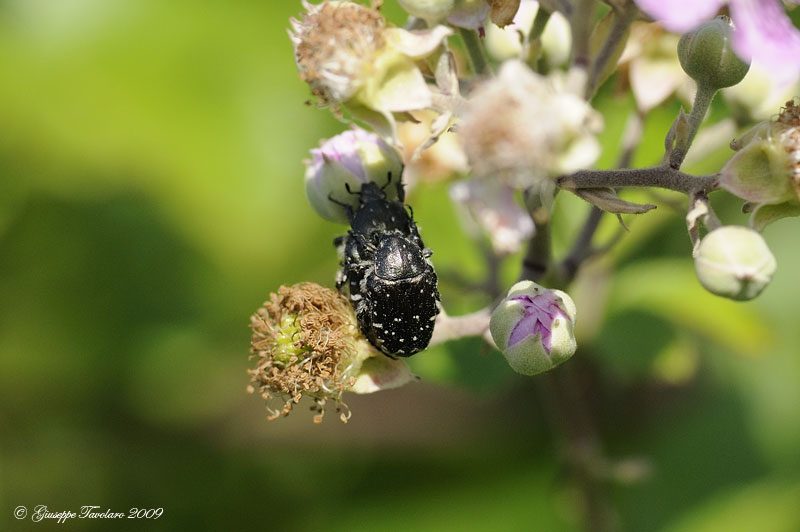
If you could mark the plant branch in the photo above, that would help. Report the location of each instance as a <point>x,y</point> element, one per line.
<point>654,176</point>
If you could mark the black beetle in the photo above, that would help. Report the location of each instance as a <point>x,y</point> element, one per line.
<point>386,268</point>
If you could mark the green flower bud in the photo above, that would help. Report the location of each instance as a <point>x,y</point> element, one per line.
<point>349,159</point>
<point>307,343</point>
<point>765,170</point>
<point>706,55</point>
<point>533,327</point>
<point>734,262</point>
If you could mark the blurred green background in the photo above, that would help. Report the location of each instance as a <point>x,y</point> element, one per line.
<point>151,197</point>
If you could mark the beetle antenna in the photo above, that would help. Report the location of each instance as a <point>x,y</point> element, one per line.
<point>346,206</point>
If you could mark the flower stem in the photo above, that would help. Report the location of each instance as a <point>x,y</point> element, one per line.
<point>539,201</point>
<point>454,327</point>
<point>537,259</point>
<point>581,21</point>
<point>474,47</point>
<point>581,248</point>
<point>616,35</point>
<point>539,23</point>
<point>702,101</point>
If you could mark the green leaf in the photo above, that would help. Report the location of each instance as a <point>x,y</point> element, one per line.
<point>669,288</point>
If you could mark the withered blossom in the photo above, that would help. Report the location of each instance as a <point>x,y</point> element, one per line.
<point>353,60</point>
<point>306,342</point>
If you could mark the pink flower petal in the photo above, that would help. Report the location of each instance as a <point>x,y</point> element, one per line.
<point>766,35</point>
<point>540,312</point>
<point>679,16</point>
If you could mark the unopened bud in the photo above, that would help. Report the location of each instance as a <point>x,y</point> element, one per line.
<point>349,159</point>
<point>533,327</point>
<point>734,262</point>
<point>706,55</point>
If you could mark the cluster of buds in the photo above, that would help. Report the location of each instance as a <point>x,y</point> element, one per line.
<point>306,343</point>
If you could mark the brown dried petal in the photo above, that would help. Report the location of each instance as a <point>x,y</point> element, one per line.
<point>503,11</point>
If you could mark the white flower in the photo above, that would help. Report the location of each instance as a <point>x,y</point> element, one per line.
<point>523,127</point>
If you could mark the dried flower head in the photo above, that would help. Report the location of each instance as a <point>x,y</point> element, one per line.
<point>523,127</point>
<point>331,42</point>
<point>307,343</point>
<point>352,59</point>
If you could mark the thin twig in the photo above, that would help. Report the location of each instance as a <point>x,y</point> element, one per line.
<point>582,248</point>
<point>537,257</point>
